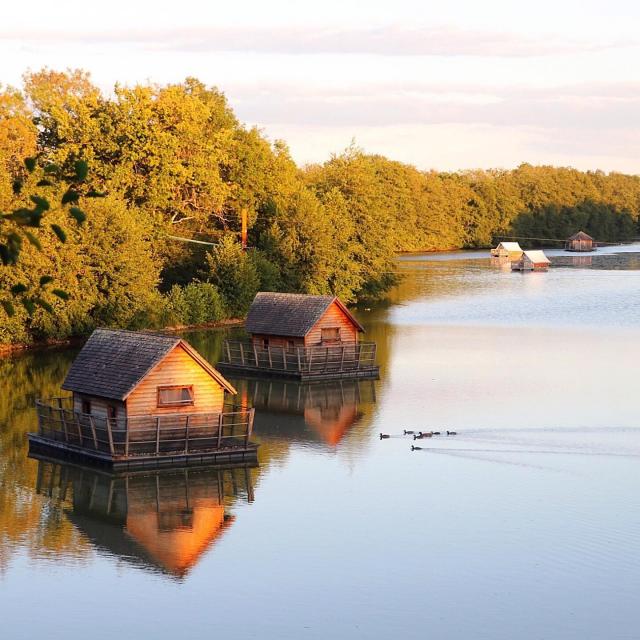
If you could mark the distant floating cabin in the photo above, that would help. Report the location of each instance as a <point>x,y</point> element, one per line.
<point>139,397</point>
<point>507,250</point>
<point>302,337</point>
<point>532,261</point>
<point>580,242</point>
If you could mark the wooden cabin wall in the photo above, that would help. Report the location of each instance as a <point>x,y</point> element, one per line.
<point>333,317</point>
<point>276,341</point>
<point>98,405</point>
<point>177,368</point>
<point>580,245</point>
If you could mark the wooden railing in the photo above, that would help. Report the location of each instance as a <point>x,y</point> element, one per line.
<point>317,359</point>
<point>170,434</point>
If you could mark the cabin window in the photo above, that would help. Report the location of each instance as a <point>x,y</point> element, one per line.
<point>175,396</point>
<point>112,412</point>
<point>86,406</point>
<point>265,343</point>
<point>291,345</point>
<point>330,334</point>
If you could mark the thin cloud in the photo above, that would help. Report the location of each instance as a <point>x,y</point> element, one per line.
<point>391,40</point>
<point>584,107</point>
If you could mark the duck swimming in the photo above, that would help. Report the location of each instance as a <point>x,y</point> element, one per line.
<point>408,433</point>
<point>383,436</point>
<point>416,448</point>
<point>452,433</point>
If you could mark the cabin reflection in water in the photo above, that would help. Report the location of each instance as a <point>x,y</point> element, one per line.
<point>330,409</point>
<point>159,520</point>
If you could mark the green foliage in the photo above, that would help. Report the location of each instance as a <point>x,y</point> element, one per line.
<point>175,161</point>
<point>234,274</point>
<point>197,303</point>
<point>269,275</point>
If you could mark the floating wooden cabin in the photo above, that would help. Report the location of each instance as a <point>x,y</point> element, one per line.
<point>302,337</point>
<point>507,250</point>
<point>580,242</point>
<point>532,261</point>
<point>142,399</point>
<point>161,520</point>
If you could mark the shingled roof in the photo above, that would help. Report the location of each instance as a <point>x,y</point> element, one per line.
<point>113,362</point>
<point>290,314</point>
<point>581,235</point>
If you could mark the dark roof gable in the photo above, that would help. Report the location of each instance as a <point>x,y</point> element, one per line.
<point>113,362</point>
<point>581,235</point>
<point>290,314</point>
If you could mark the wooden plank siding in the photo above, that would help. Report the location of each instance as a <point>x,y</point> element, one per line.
<point>333,317</point>
<point>177,368</point>
<point>98,405</point>
<point>276,341</point>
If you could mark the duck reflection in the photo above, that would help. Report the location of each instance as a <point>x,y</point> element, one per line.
<point>161,520</point>
<point>325,410</point>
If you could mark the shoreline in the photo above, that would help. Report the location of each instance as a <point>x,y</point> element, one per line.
<point>8,350</point>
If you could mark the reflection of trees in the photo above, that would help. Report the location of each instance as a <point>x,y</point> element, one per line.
<point>23,521</point>
<point>164,520</point>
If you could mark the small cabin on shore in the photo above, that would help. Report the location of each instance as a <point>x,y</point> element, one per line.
<point>580,241</point>
<point>507,250</point>
<point>532,261</point>
<point>302,337</point>
<point>137,397</point>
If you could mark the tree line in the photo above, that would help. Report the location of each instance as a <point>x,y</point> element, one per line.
<point>174,161</point>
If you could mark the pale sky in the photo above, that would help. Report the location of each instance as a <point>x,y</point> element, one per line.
<point>447,85</point>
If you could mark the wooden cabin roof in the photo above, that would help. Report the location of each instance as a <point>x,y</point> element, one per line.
<point>537,256</point>
<point>113,362</point>
<point>510,246</point>
<point>290,314</point>
<point>581,235</point>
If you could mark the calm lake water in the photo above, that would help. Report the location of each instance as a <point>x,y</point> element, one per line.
<point>524,525</point>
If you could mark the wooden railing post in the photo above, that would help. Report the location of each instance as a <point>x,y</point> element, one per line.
<point>186,436</point>
<point>157,435</point>
<point>220,424</point>
<point>226,344</point>
<point>284,357</point>
<point>64,426</point>
<point>110,437</point>
<point>326,359</point>
<point>310,357</point>
<point>93,432</point>
<point>79,428</point>
<point>359,353</point>
<point>270,358</point>
<point>126,438</point>
<point>249,426</point>
<point>64,422</point>
<point>299,362</point>
<point>241,353</point>
<point>255,354</point>
<point>342,359</point>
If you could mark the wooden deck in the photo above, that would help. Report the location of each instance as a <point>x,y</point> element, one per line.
<point>143,441</point>
<point>347,360</point>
